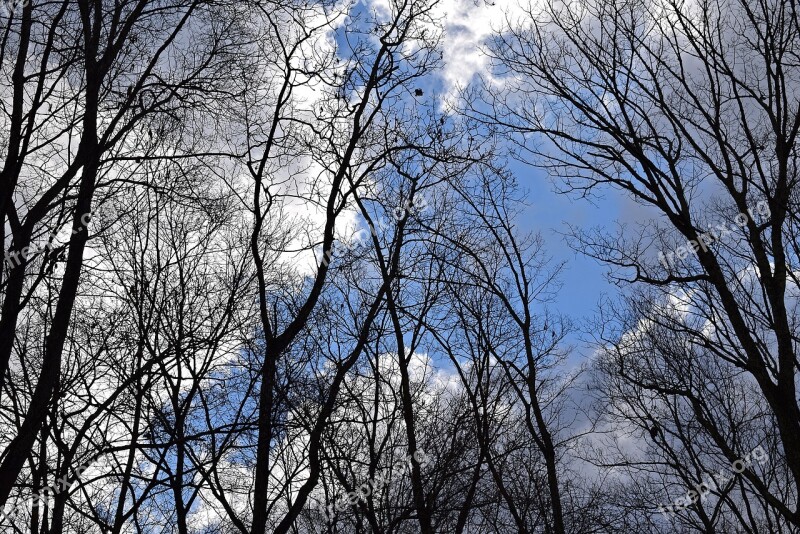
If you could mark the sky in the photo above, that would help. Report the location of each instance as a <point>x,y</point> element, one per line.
<point>549,214</point>
<point>467,26</point>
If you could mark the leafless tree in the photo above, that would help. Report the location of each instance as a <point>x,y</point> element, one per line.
<point>84,76</point>
<point>690,110</point>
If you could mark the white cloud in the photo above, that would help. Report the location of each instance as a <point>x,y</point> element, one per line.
<point>468,24</point>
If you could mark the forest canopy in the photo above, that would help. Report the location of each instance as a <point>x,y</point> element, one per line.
<point>269,266</point>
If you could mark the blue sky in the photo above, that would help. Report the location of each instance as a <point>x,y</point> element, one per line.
<point>467,25</point>
<point>549,214</point>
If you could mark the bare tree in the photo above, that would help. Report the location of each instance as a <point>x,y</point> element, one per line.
<point>99,71</point>
<point>334,140</point>
<point>692,111</point>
